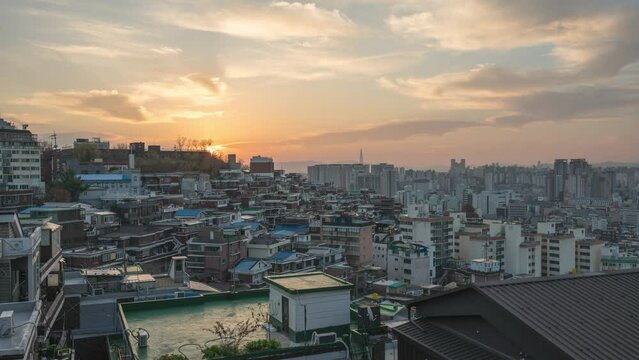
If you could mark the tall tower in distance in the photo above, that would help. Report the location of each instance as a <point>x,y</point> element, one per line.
<point>361,156</point>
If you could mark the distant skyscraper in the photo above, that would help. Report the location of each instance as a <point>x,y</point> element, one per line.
<point>361,156</point>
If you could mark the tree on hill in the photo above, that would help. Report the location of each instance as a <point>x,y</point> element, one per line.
<point>85,152</point>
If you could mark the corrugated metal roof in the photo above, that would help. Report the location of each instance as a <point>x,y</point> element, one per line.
<point>446,344</point>
<point>296,228</point>
<point>254,226</point>
<point>103,177</point>
<point>188,212</point>
<point>282,255</point>
<point>588,317</point>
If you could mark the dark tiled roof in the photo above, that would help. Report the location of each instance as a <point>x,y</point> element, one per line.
<point>443,342</point>
<point>588,317</point>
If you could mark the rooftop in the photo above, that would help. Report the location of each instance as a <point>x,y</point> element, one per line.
<point>24,316</point>
<point>589,316</point>
<point>267,240</point>
<point>175,322</point>
<point>308,282</point>
<point>103,177</point>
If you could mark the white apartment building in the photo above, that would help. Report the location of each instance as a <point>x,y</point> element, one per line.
<point>409,263</point>
<point>381,242</point>
<point>487,202</point>
<point>20,156</point>
<point>522,255</point>
<point>588,255</point>
<point>557,254</point>
<point>436,233</point>
<point>471,246</point>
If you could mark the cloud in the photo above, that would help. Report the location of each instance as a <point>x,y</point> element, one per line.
<point>595,45</point>
<point>592,39</point>
<point>212,84</point>
<point>109,104</point>
<point>582,102</point>
<point>86,50</point>
<point>391,131</point>
<point>78,37</point>
<point>310,64</point>
<point>193,96</point>
<point>273,22</point>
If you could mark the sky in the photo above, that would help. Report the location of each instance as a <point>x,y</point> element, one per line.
<point>413,82</point>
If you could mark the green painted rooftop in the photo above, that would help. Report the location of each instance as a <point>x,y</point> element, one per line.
<point>175,325</point>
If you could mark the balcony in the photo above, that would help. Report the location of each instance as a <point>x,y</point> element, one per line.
<point>18,247</point>
<point>51,307</point>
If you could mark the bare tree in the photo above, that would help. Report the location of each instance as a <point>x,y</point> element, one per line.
<point>180,143</point>
<point>232,335</point>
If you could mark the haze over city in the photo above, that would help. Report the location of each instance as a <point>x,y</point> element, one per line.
<point>412,82</point>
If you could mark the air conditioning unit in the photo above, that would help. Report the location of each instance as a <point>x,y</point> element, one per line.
<point>6,323</point>
<point>143,338</point>
<point>324,338</point>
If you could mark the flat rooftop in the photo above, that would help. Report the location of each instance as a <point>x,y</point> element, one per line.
<point>308,282</point>
<point>173,323</point>
<point>23,331</point>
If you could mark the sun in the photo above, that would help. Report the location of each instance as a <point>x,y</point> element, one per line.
<point>214,149</point>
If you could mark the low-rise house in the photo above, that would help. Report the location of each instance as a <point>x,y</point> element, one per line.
<point>250,271</point>
<point>150,246</point>
<point>126,182</point>
<point>138,211</point>
<point>103,256</point>
<point>265,246</point>
<point>69,217</point>
<point>213,251</point>
<point>285,262</point>
<point>326,256</point>
<point>101,223</point>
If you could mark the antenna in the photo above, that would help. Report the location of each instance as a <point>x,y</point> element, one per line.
<point>54,138</point>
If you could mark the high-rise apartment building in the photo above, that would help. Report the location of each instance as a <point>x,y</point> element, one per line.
<point>436,233</point>
<point>354,236</point>
<point>20,159</point>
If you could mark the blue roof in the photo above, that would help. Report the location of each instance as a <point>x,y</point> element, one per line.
<point>103,177</point>
<point>188,213</point>
<point>282,233</point>
<point>282,255</point>
<point>245,265</point>
<point>296,228</point>
<point>27,211</point>
<point>238,225</point>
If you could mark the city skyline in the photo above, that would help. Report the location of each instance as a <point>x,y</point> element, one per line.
<point>524,82</point>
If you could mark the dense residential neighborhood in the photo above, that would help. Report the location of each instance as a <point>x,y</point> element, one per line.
<point>90,242</point>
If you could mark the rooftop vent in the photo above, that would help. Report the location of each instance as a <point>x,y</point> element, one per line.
<point>6,323</point>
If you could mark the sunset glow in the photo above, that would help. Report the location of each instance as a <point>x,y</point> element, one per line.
<point>318,81</point>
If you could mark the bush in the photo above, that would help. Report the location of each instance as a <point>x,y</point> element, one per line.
<point>172,357</point>
<point>259,345</point>
<point>215,351</point>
